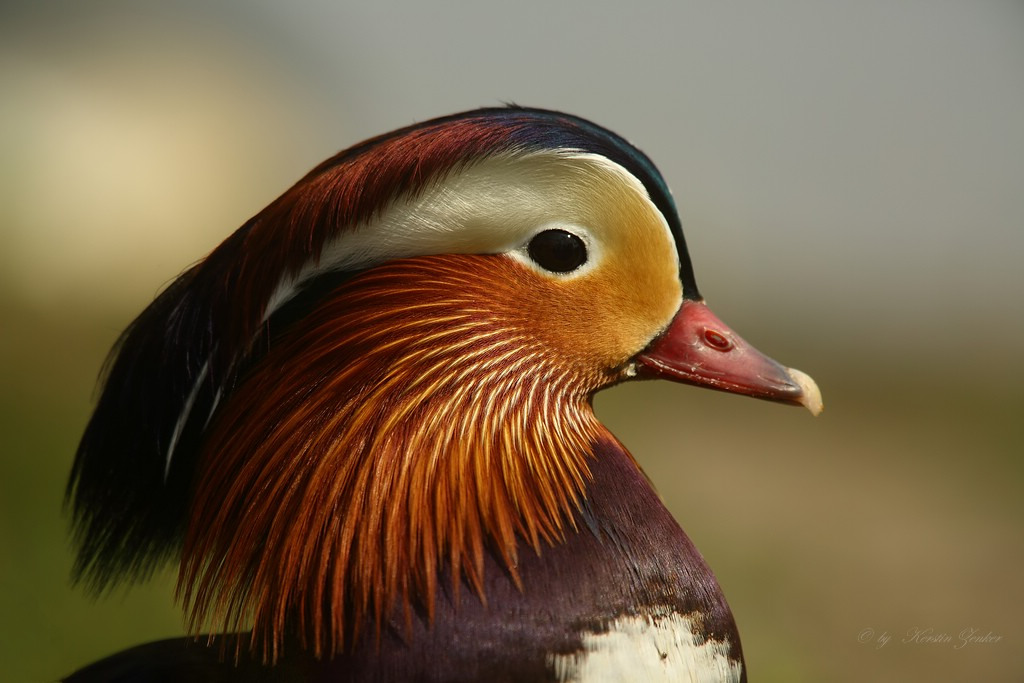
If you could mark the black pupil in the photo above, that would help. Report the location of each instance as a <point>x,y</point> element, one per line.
<point>558,251</point>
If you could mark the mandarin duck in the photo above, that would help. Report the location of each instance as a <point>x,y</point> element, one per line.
<point>362,426</point>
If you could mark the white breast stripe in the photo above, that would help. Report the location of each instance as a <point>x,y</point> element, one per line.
<point>648,648</point>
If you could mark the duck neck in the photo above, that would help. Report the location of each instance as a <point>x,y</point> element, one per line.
<point>646,559</point>
<point>624,596</point>
<point>634,581</point>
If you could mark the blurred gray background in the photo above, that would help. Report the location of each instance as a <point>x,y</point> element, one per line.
<point>851,179</point>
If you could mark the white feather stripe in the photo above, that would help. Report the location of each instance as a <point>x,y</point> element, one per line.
<point>648,648</point>
<point>183,417</point>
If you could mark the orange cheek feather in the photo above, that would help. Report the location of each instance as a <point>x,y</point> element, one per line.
<point>429,383</point>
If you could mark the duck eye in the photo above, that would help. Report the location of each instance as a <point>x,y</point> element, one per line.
<point>557,250</point>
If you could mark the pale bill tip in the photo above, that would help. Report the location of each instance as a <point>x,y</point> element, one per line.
<point>811,398</point>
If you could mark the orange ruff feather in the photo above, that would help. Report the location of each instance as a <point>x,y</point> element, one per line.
<point>417,416</point>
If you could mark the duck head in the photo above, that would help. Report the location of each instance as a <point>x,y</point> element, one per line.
<point>389,371</point>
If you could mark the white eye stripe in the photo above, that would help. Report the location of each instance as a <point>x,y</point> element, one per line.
<point>494,206</point>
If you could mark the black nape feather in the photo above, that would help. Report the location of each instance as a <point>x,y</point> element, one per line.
<point>128,506</point>
<point>131,483</point>
<point>128,509</point>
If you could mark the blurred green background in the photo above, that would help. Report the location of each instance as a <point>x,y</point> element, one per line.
<point>850,175</point>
